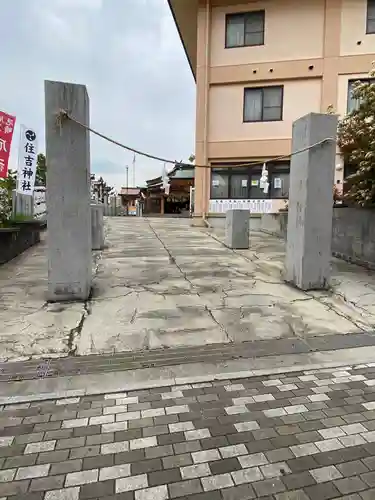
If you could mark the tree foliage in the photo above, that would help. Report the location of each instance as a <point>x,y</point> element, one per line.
<point>6,187</point>
<point>10,182</point>
<point>356,139</point>
<point>41,170</point>
<point>5,205</point>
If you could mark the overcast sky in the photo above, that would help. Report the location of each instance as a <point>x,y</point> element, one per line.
<point>127,53</point>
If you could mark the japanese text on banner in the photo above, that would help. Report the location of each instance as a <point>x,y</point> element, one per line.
<point>7,123</point>
<point>27,160</point>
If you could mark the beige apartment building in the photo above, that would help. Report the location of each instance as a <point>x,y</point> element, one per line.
<point>259,65</point>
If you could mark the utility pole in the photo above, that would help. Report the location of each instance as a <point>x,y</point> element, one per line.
<point>127,189</point>
<point>134,170</point>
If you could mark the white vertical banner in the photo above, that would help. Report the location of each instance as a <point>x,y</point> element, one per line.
<point>27,160</point>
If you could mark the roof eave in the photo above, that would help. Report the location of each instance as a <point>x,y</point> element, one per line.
<point>192,68</point>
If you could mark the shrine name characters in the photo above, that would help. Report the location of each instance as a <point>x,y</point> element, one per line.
<point>27,161</point>
<point>27,172</point>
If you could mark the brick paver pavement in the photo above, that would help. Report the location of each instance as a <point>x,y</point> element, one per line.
<point>300,436</point>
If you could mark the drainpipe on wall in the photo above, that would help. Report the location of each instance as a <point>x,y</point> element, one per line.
<point>205,131</point>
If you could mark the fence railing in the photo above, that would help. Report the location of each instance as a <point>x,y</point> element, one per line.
<point>36,206</point>
<point>113,210</point>
<point>111,207</point>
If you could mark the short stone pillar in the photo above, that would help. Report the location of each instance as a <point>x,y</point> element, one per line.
<point>97,226</point>
<point>237,229</point>
<point>139,209</point>
<point>113,206</point>
<point>22,204</point>
<point>68,193</point>
<point>309,235</point>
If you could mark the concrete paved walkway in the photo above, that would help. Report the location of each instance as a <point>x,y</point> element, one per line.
<point>162,284</point>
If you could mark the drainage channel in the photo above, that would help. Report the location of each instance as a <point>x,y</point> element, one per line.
<point>214,353</point>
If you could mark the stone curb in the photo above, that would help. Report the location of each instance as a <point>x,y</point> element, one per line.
<point>88,385</point>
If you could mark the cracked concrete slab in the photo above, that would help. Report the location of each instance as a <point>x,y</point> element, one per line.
<point>147,321</point>
<point>192,290</point>
<point>160,283</point>
<point>30,326</point>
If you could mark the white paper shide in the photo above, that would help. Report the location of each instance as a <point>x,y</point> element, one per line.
<point>27,161</point>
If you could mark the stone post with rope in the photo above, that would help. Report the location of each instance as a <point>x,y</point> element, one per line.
<point>308,252</point>
<point>68,193</point>
<point>68,180</point>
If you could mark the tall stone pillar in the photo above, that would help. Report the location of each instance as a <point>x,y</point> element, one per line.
<point>308,251</point>
<point>68,193</point>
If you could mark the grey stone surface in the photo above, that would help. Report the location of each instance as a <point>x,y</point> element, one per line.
<point>68,193</point>
<point>275,224</point>
<point>237,229</point>
<point>161,283</point>
<point>97,226</point>
<point>353,237</point>
<point>30,327</point>
<point>308,251</point>
<point>22,204</point>
<point>217,221</point>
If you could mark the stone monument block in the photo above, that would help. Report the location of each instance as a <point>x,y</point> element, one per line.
<point>237,229</point>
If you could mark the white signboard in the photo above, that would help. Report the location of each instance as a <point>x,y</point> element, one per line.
<point>254,206</point>
<point>27,158</point>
